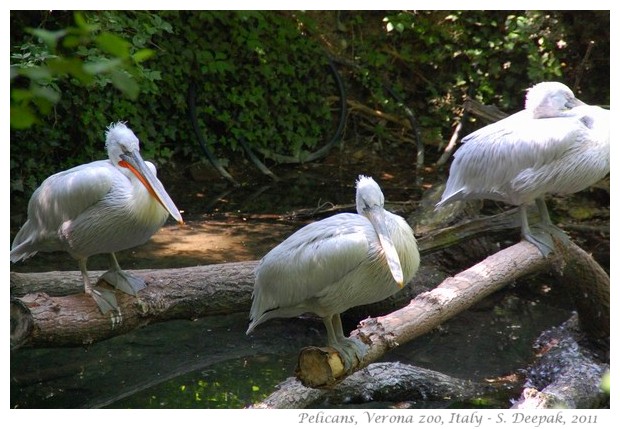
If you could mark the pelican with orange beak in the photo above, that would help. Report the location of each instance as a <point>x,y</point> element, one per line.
<point>101,207</point>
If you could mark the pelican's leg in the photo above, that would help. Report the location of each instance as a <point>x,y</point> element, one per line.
<point>544,213</point>
<point>122,280</point>
<point>104,298</point>
<point>546,227</point>
<point>546,221</point>
<point>541,239</point>
<point>349,348</point>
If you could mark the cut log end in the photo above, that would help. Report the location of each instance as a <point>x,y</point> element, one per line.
<point>319,367</point>
<point>21,323</point>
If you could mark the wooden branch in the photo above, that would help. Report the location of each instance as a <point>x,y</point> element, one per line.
<point>447,153</point>
<point>384,381</point>
<point>425,312</point>
<point>38,319</point>
<point>488,113</point>
<point>567,375</point>
<point>357,106</point>
<point>589,286</point>
<point>54,311</point>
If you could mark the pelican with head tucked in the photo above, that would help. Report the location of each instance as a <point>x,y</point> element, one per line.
<point>337,263</point>
<point>556,145</point>
<point>101,207</point>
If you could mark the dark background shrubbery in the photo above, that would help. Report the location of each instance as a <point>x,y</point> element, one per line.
<point>260,76</point>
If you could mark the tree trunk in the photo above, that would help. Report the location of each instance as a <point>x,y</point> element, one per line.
<point>383,381</point>
<point>567,374</point>
<point>38,319</point>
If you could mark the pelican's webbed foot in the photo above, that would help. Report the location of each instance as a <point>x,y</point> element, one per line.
<point>106,301</point>
<point>542,235</point>
<point>541,239</point>
<point>124,281</point>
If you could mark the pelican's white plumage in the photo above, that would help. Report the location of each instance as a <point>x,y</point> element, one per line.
<point>337,263</point>
<point>100,207</point>
<point>556,145</point>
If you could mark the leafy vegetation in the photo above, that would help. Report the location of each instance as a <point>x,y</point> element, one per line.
<point>261,76</point>
<point>435,59</point>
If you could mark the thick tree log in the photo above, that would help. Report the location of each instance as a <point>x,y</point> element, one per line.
<point>322,368</point>
<point>589,286</point>
<point>567,375</point>
<point>57,312</point>
<point>384,381</point>
<point>38,319</point>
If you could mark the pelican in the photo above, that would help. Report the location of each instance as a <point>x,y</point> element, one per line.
<point>337,263</point>
<point>556,145</point>
<point>101,207</point>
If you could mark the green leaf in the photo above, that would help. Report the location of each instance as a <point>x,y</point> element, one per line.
<point>19,95</point>
<point>22,117</point>
<point>50,38</point>
<point>47,93</point>
<point>83,25</point>
<point>36,73</point>
<point>102,66</point>
<point>71,66</point>
<point>113,44</point>
<point>126,84</point>
<point>143,55</point>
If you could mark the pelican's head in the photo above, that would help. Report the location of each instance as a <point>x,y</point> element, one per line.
<point>124,151</point>
<point>119,139</point>
<point>368,194</point>
<point>550,100</point>
<point>369,200</point>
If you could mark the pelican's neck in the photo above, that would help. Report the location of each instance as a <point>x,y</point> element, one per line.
<point>143,206</point>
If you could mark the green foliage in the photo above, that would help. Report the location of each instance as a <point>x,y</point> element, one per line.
<point>434,59</point>
<point>69,84</point>
<point>261,76</point>
<point>83,54</point>
<point>258,77</point>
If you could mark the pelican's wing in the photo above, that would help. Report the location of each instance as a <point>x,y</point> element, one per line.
<point>493,156</point>
<point>584,161</point>
<point>65,195</point>
<point>309,261</point>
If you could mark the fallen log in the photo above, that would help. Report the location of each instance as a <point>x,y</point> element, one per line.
<point>383,381</point>
<point>567,373</point>
<point>39,319</point>
<point>57,312</point>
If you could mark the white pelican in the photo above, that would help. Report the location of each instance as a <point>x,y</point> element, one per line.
<point>337,263</point>
<point>556,145</point>
<point>101,207</point>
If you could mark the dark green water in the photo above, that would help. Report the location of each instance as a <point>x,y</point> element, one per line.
<point>211,363</point>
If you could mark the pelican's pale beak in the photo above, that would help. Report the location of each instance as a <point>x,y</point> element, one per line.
<point>376,215</point>
<point>574,102</point>
<point>134,162</point>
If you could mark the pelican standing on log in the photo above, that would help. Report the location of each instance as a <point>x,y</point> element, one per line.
<point>337,263</point>
<point>556,145</point>
<point>101,207</point>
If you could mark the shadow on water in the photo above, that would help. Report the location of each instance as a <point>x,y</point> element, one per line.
<point>211,363</point>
